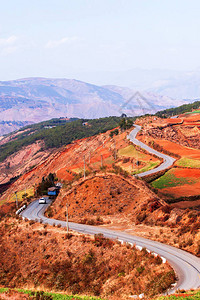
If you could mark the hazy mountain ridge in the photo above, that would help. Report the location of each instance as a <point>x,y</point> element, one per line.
<point>39,99</point>
<point>171,83</point>
<point>9,126</point>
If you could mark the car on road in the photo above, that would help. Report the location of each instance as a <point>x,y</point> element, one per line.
<point>42,201</point>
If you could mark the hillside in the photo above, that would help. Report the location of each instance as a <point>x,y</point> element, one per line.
<point>179,110</point>
<point>109,196</point>
<point>45,256</point>
<point>9,126</point>
<point>179,137</point>
<point>103,198</point>
<point>109,162</point>
<point>38,99</point>
<point>55,133</point>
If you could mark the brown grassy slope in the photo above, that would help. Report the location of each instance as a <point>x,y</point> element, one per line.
<point>103,196</point>
<point>128,204</point>
<point>43,257</point>
<point>179,228</point>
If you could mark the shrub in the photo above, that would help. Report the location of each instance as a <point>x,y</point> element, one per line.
<point>141,217</point>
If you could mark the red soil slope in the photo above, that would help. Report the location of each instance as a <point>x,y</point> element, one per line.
<point>102,196</point>
<point>69,161</point>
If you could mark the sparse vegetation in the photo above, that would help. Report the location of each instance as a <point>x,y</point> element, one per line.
<point>40,295</point>
<point>22,195</point>
<point>78,265</point>
<point>114,132</point>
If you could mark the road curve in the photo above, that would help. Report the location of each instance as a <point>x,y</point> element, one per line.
<point>186,265</point>
<point>168,161</point>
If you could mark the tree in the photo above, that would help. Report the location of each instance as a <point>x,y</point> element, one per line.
<point>125,124</point>
<point>46,183</point>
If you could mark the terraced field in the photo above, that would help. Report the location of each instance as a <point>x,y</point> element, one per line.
<point>188,163</point>
<point>179,182</point>
<point>171,180</point>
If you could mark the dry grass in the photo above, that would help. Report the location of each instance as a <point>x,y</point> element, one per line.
<point>40,256</point>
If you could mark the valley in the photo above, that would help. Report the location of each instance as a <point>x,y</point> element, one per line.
<point>101,187</point>
<point>99,150</point>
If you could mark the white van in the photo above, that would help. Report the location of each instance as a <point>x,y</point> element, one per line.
<point>42,201</point>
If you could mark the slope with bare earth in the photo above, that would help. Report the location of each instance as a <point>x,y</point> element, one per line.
<point>102,198</point>
<point>42,256</point>
<point>140,211</point>
<point>22,161</point>
<point>129,205</point>
<point>119,202</point>
<point>100,152</point>
<point>184,131</point>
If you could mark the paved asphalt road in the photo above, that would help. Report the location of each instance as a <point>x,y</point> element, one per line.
<point>186,265</point>
<point>168,161</point>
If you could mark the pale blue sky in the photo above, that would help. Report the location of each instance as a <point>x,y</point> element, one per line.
<point>65,37</point>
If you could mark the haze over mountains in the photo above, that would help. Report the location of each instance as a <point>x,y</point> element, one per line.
<point>171,83</point>
<point>33,100</point>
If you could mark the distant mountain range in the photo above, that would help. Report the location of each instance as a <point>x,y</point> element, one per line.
<point>184,86</point>
<point>171,83</point>
<point>32,100</point>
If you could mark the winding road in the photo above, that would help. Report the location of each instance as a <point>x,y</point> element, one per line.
<point>186,265</point>
<point>167,160</point>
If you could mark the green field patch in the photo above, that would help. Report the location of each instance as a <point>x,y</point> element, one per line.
<point>3,290</point>
<point>193,112</point>
<point>188,163</point>
<point>130,151</point>
<point>151,165</point>
<point>55,296</point>
<point>170,180</point>
<point>20,194</point>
